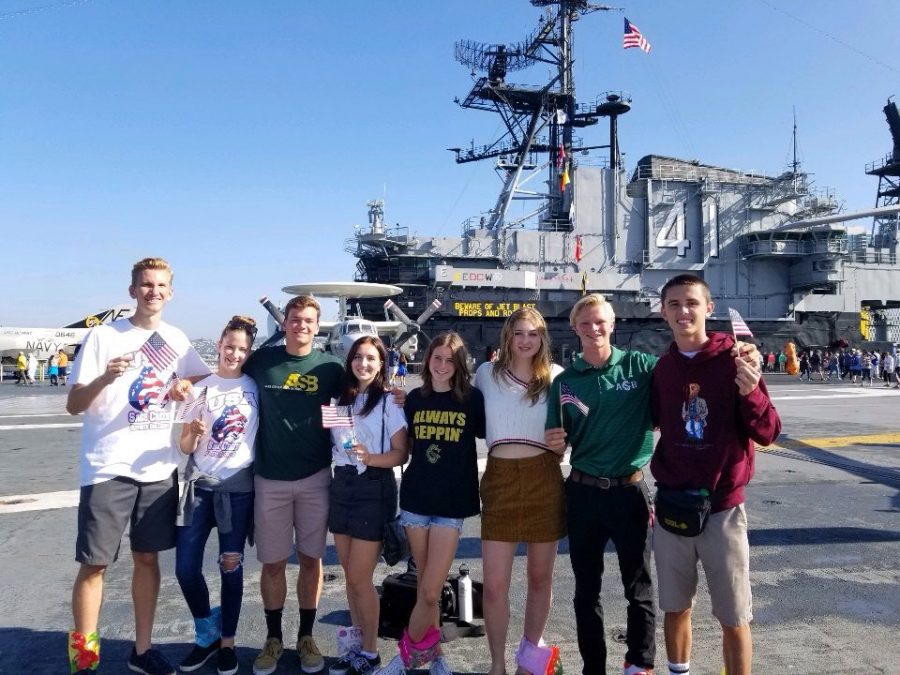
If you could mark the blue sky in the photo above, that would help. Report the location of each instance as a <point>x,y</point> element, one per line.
<point>242,140</point>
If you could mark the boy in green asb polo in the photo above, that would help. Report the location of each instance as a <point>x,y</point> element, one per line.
<point>601,405</point>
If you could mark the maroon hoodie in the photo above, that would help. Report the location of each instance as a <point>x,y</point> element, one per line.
<point>706,427</point>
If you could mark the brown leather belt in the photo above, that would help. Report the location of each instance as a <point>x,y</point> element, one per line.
<point>605,483</point>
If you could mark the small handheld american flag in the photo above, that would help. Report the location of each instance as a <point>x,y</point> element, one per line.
<point>158,351</point>
<point>185,412</point>
<point>738,325</point>
<point>566,395</point>
<point>334,416</point>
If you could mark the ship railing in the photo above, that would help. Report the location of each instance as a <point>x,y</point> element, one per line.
<point>876,257</point>
<point>687,173</point>
<point>588,108</point>
<point>879,164</point>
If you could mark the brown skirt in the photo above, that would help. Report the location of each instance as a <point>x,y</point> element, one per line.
<point>523,500</point>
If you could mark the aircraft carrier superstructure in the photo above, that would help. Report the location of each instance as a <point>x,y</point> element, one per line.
<point>771,247</point>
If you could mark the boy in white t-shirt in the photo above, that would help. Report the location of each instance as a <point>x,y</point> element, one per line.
<point>125,377</point>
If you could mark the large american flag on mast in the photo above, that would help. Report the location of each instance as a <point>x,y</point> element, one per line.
<point>633,38</point>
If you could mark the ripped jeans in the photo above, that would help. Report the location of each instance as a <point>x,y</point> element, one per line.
<point>190,544</point>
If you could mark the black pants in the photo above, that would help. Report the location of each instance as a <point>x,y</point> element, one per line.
<point>594,517</point>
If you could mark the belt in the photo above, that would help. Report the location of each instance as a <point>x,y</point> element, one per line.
<point>605,483</point>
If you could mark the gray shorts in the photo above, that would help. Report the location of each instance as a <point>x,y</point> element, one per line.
<point>291,514</point>
<point>724,551</point>
<point>105,509</point>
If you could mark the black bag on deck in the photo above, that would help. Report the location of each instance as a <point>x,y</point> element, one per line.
<point>398,597</point>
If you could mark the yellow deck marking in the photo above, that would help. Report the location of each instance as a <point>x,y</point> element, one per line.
<point>833,442</point>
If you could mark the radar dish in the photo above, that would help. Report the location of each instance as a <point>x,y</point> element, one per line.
<point>344,289</point>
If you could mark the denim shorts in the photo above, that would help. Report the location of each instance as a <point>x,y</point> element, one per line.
<point>410,519</point>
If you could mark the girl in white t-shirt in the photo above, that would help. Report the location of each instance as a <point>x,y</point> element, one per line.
<point>218,493</point>
<point>364,495</point>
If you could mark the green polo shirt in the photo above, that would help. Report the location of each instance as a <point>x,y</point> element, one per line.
<point>606,413</point>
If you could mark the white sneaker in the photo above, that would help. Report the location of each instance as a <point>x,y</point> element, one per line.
<point>439,667</point>
<point>393,667</point>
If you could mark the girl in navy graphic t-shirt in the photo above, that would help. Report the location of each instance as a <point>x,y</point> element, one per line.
<point>440,488</point>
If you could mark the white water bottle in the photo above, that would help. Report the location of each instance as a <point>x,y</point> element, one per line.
<point>465,595</point>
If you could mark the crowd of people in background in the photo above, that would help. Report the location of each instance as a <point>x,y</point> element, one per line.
<point>861,367</point>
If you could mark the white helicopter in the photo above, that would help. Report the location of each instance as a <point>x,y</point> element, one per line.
<point>339,335</point>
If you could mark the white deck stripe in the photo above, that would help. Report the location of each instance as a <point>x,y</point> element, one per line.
<point>17,427</point>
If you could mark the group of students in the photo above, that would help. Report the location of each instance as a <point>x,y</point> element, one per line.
<point>262,464</point>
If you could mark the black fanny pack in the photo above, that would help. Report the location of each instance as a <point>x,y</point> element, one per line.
<point>682,512</point>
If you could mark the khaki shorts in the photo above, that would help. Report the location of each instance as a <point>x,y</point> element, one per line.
<point>523,500</point>
<point>724,551</point>
<point>291,514</point>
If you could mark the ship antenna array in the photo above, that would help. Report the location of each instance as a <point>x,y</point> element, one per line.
<point>496,60</point>
<point>527,111</point>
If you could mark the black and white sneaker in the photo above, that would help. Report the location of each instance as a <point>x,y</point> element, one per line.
<point>228,663</point>
<point>199,656</point>
<point>343,664</point>
<point>362,665</point>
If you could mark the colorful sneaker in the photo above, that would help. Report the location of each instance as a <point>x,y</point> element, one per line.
<point>84,652</point>
<point>628,669</point>
<point>363,665</point>
<point>151,662</point>
<point>349,644</point>
<point>417,654</point>
<point>228,663</point>
<point>198,657</point>
<point>267,660</point>
<point>348,640</point>
<point>439,667</point>
<point>311,660</point>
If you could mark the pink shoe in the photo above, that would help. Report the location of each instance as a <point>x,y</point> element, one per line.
<point>417,654</point>
<point>538,659</point>
<point>629,669</point>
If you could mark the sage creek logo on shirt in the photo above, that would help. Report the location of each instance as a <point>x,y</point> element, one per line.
<point>626,385</point>
<point>433,453</point>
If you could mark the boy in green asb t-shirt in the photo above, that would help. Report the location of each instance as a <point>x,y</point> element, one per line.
<point>293,475</point>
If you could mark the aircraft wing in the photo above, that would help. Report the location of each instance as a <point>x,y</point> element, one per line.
<point>388,327</point>
<point>42,342</point>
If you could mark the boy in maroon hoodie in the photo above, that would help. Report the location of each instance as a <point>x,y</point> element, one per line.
<point>710,407</point>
